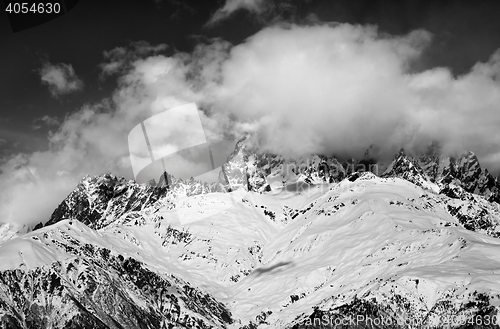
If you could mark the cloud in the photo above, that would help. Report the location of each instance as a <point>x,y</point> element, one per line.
<point>319,89</point>
<point>2,141</point>
<point>231,6</point>
<point>90,141</point>
<point>119,59</point>
<point>268,11</point>
<point>340,88</point>
<point>45,120</point>
<point>294,90</point>
<point>60,78</point>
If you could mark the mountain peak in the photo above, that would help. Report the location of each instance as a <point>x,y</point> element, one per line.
<point>100,200</point>
<point>433,161</point>
<point>408,168</point>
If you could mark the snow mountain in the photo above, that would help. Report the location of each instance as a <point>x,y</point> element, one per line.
<point>307,242</point>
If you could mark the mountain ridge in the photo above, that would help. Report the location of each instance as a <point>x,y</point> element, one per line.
<point>276,243</point>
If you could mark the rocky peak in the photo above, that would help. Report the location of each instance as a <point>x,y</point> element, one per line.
<point>465,171</point>
<point>435,170</point>
<point>263,172</point>
<point>100,200</point>
<point>433,162</point>
<point>408,168</point>
<point>234,172</point>
<point>431,169</point>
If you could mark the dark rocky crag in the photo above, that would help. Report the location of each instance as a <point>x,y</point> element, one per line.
<point>255,172</point>
<point>98,201</point>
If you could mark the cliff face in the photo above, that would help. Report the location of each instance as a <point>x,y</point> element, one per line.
<point>446,172</point>
<point>278,243</point>
<point>430,169</point>
<point>87,285</point>
<point>98,201</point>
<point>261,172</point>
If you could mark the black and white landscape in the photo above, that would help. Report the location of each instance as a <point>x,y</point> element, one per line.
<point>418,245</point>
<point>356,147</point>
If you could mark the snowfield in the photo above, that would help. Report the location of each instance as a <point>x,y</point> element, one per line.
<point>277,259</point>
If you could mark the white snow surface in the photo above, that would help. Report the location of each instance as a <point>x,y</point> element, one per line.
<point>368,238</point>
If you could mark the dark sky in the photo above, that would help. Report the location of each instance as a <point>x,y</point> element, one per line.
<point>465,32</point>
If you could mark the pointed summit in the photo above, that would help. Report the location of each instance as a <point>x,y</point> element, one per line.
<point>99,201</point>
<point>407,168</point>
<point>165,180</point>
<point>234,172</point>
<point>465,171</point>
<point>433,162</point>
<point>468,170</point>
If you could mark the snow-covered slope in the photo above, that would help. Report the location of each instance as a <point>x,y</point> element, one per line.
<point>296,243</point>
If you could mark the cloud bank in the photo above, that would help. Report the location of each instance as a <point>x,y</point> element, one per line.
<point>60,78</point>
<point>266,12</point>
<point>327,88</point>
<point>340,88</point>
<point>231,6</point>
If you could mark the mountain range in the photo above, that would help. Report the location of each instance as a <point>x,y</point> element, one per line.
<point>305,242</point>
